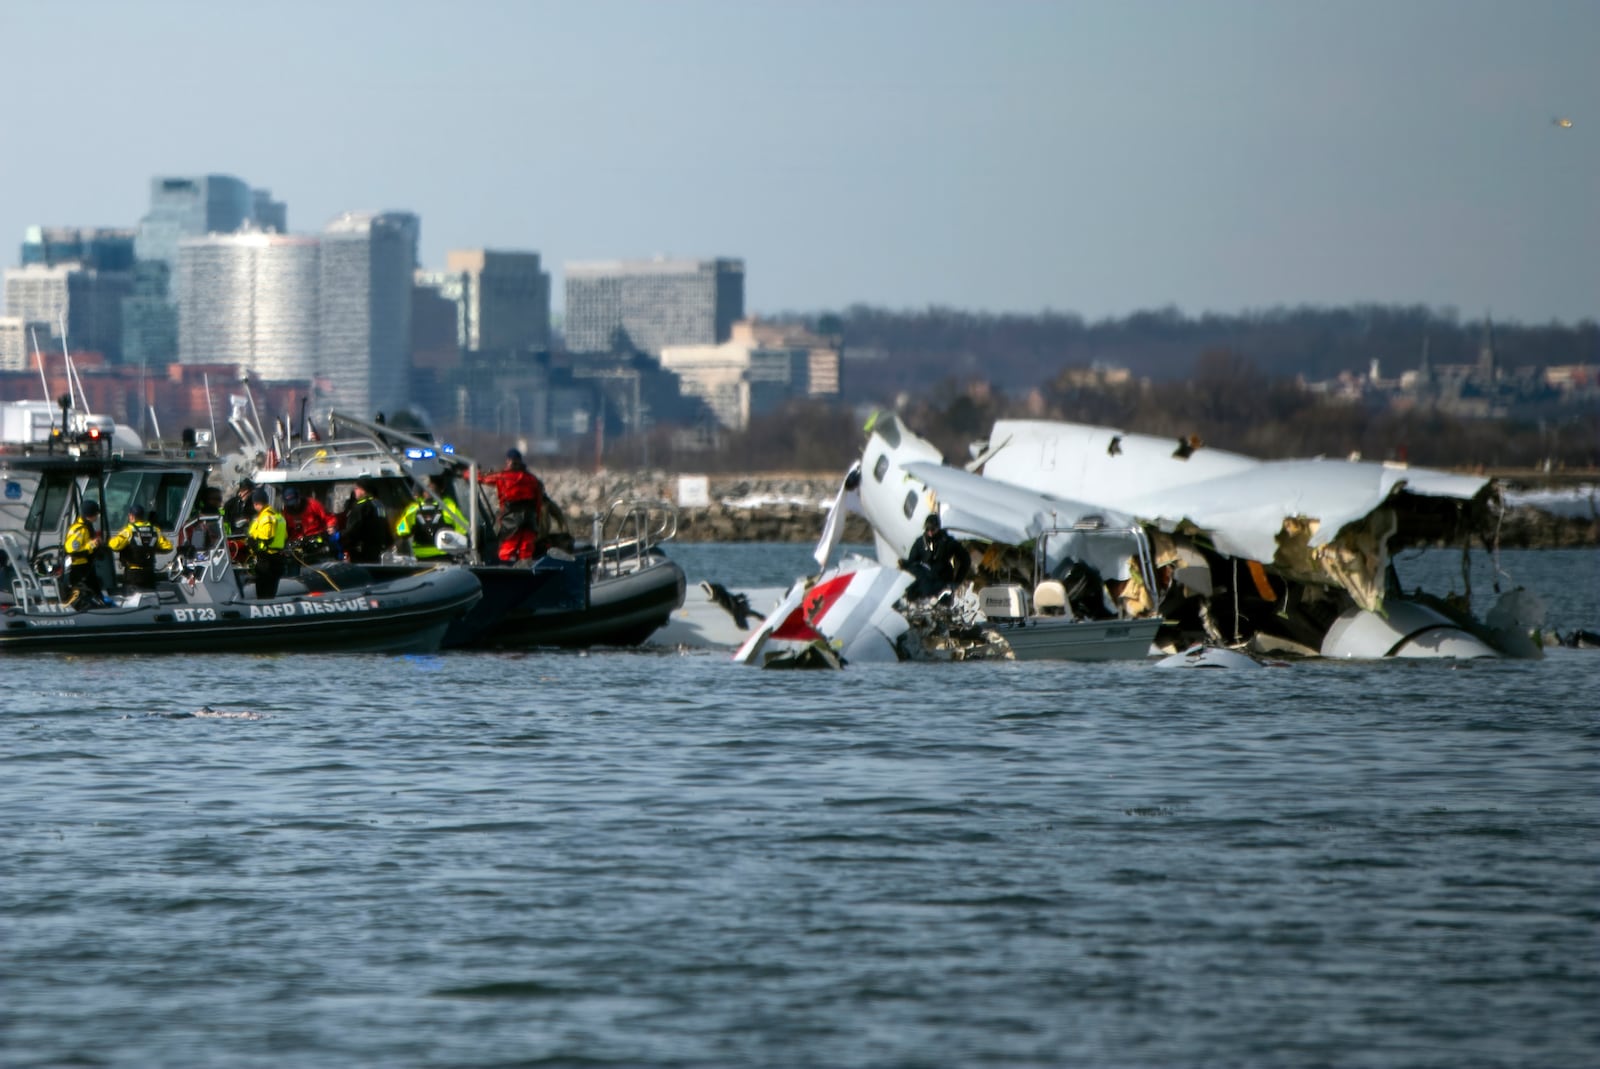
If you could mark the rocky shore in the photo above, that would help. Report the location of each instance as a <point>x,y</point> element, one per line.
<point>739,508</point>
<point>790,507</point>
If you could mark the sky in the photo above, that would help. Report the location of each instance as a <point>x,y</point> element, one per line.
<point>1095,158</point>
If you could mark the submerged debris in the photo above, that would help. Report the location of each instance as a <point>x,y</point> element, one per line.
<point>205,712</point>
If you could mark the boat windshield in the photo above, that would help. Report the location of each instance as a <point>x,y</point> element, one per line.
<point>162,493</point>
<point>49,502</point>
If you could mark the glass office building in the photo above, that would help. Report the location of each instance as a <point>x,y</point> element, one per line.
<point>367,267</point>
<point>102,248</point>
<point>187,207</point>
<point>503,300</point>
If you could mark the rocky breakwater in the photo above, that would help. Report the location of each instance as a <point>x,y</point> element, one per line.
<point>1551,513</point>
<point>735,508</point>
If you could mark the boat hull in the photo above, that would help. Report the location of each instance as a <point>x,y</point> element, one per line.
<point>619,610</point>
<point>1060,639</point>
<point>403,616</point>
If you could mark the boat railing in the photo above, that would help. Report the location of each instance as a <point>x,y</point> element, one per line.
<point>34,593</point>
<point>205,557</point>
<point>315,456</point>
<point>625,533</point>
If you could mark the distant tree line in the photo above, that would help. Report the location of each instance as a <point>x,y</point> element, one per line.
<point>888,353</point>
<point>1228,403</point>
<point>1234,381</point>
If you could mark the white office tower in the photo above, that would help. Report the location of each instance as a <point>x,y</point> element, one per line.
<point>249,299</point>
<point>368,261</point>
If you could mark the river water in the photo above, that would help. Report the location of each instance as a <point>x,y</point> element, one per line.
<point>665,859</point>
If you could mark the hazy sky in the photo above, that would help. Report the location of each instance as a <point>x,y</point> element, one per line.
<point>1005,156</point>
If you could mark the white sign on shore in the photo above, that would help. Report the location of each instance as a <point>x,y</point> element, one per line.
<point>694,491</point>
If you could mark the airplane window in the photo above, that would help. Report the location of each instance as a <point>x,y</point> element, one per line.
<point>880,467</point>
<point>910,507</point>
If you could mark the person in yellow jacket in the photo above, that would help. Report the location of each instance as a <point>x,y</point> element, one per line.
<point>429,514</point>
<point>137,545</point>
<point>268,535</point>
<point>81,545</point>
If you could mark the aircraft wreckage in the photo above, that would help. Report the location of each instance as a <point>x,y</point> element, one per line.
<point>1091,543</point>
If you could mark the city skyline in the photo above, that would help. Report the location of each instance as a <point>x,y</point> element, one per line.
<point>1093,158</point>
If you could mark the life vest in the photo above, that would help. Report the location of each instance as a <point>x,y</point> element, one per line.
<point>136,544</point>
<point>425,523</point>
<point>268,532</point>
<point>424,519</point>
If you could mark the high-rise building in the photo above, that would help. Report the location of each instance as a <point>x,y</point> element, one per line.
<point>503,299</point>
<point>149,318</point>
<point>368,263</point>
<point>17,337</point>
<point>655,303</point>
<point>250,299</point>
<point>185,207</point>
<point>102,248</point>
<point>191,207</point>
<point>87,301</point>
<point>269,214</point>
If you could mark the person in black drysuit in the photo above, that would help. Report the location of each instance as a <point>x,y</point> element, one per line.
<point>937,561</point>
<point>240,510</point>
<point>363,527</point>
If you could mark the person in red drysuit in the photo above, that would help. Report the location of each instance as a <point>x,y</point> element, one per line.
<point>521,497</point>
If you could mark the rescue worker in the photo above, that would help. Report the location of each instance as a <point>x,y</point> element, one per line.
<point>268,535</point>
<point>937,560</point>
<point>521,497</point>
<point>81,545</point>
<point>240,509</point>
<point>137,545</point>
<point>1134,596</point>
<point>363,527</point>
<point>432,512</point>
<point>309,524</point>
<point>519,545</point>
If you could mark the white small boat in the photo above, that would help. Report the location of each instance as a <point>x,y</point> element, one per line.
<point>1061,638</point>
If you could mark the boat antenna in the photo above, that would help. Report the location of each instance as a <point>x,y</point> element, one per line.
<point>154,422</point>
<point>82,399</point>
<point>211,410</point>
<point>44,383</point>
<point>261,435</point>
